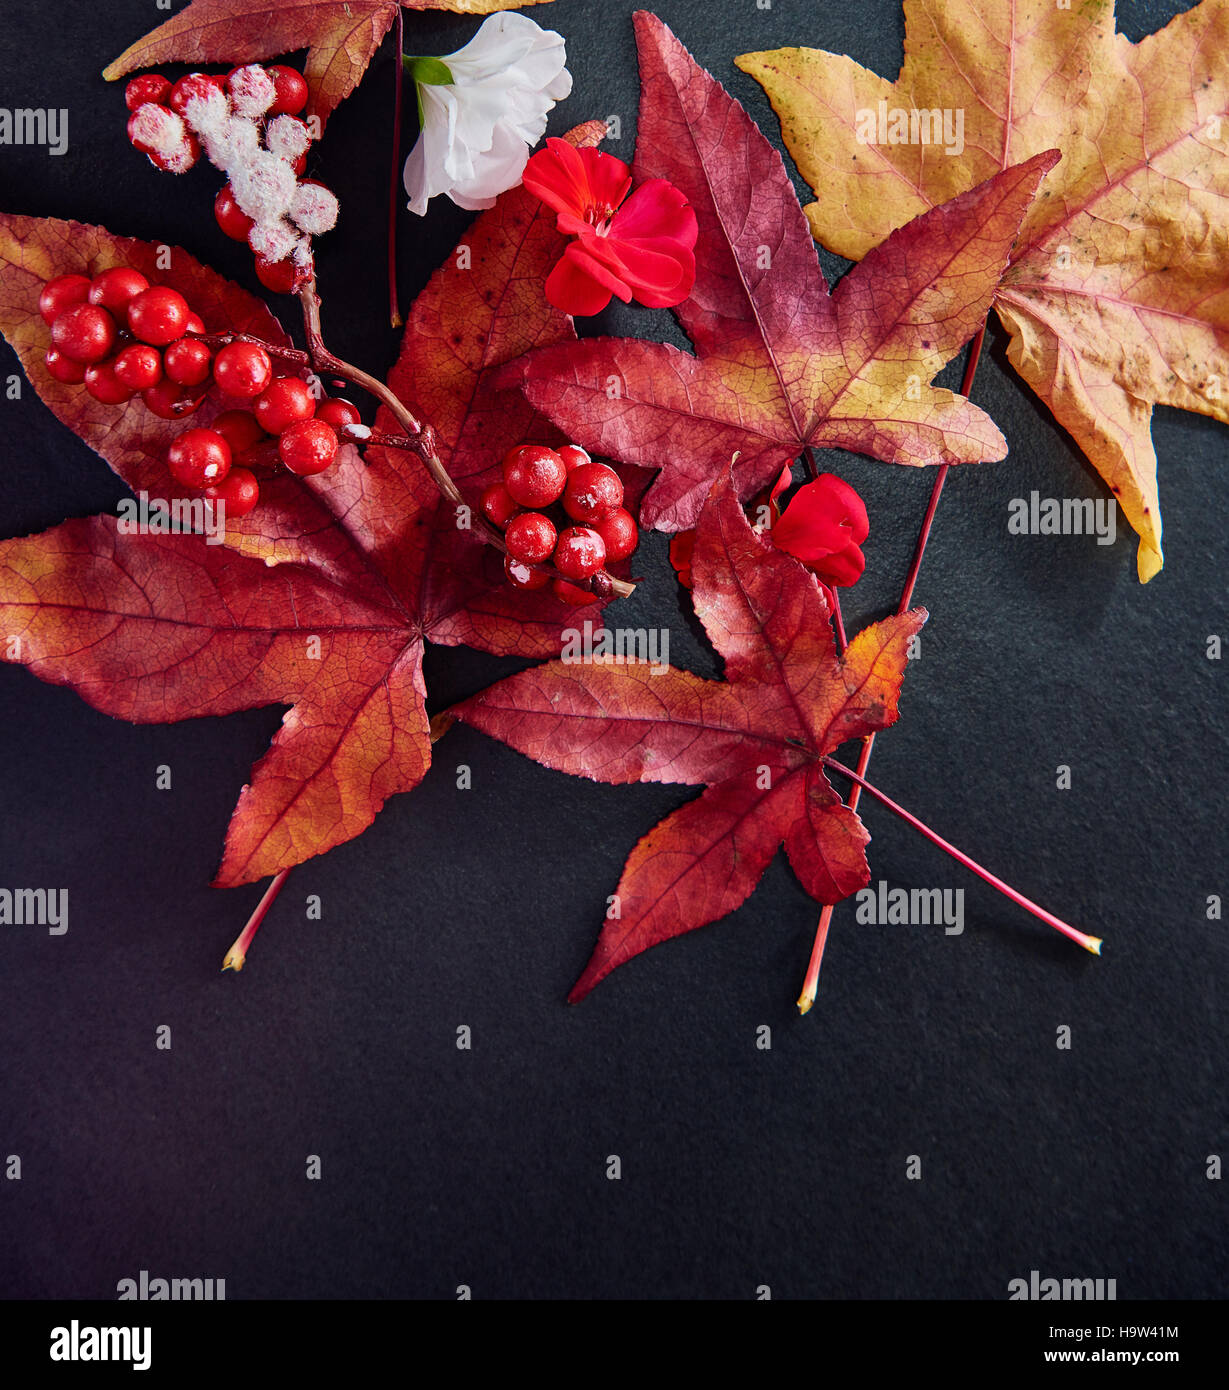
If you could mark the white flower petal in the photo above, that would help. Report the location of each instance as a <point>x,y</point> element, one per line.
<point>477,131</point>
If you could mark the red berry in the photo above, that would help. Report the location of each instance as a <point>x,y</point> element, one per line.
<point>291,90</point>
<point>64,369</point>
<point>188,361</point>
<point>239,429</point>
<point>580,552</point>
<point>139,366</point>
<point>196,84</point>
<point>84,332</point>
<point>170,401</point>
<point>230,216</point>
<point>307,446</point>
<point>102,383</point>
<point>282,277</point>
<point>573,455</point>
<point>534,475</point>
<point>158,315</point>
<point>337,413</point>
<point>619,533</point>
<point>284,402</point>
<point>112,289</point>
<point>239,490</point>
<point>531,537</point>
<point>62,293</point>
<point>199,458</point>
<point>520,576</point>
<point>498,506</point>
<point>569,593</point>
<point>242,370</point>
<point>592,491</point>
<point>195,324</point>
<point>150,86</point>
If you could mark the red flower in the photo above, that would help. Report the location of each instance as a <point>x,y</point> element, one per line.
<point>641,248</point>
<point>824,526</point>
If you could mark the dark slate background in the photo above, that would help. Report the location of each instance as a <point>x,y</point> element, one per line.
<point>741,1167</point>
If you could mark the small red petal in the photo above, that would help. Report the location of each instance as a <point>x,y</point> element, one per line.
<point>572,291</point>
<point>842,568</point>
<point>682,547</point>
<point>822,518</point>
<point>657,211</point>
<point>578,254</point>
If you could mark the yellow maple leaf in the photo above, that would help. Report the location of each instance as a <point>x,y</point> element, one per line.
<point>1117,295</point>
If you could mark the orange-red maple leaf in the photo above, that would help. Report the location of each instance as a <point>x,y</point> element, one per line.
<point>321,598</point>
<point>755,740</point>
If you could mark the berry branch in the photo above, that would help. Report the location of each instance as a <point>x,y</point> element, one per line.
<point>421,438</point>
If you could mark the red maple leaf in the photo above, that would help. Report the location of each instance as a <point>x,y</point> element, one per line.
<point>341,37</point>
<point>755,740</point>
<point>781,364</point>
<point>323,597</point>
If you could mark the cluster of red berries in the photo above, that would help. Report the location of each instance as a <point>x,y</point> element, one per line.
<point>119,335</point>
<point>558,506</point>
<point>247,124</point>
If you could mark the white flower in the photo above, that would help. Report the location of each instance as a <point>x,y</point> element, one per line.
<point>477,131</point>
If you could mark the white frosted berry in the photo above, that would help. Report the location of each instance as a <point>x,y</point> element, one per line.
<point>287,137</point>
<point>252,90</point>
<point>313,209</point>
<point>239,144</point>
<point>208,114</point>
<point>273,241</point>
<point>162,134</point>
<point>263,186</point>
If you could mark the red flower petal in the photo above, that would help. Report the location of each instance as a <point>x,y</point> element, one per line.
<point>656,279</point>
<point>642,249</point>
<point>823,526</point>
<point>573,291</point>
<point>681,548</point>
<point>605,270</point>
<point>656,212</point>
<point>842,568</point>
<point>786,478</point>
<point>583,186</point>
